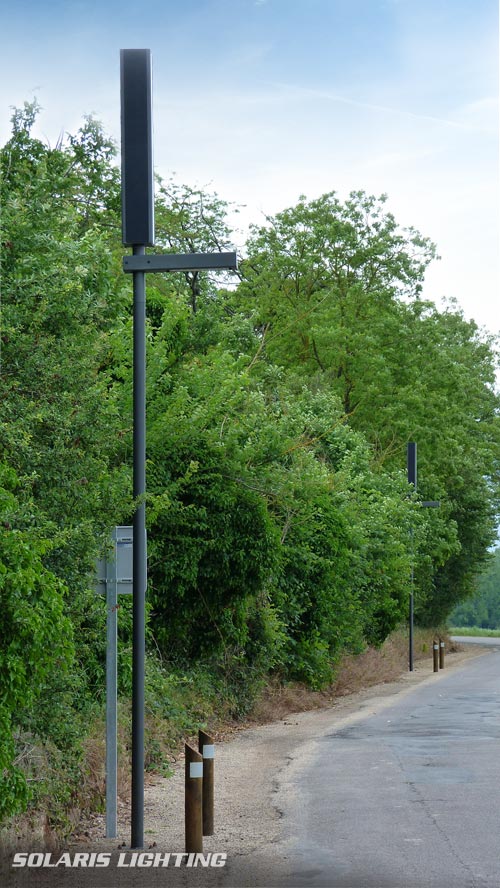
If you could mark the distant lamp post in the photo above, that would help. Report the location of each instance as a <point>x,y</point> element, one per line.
<point>411,463</point>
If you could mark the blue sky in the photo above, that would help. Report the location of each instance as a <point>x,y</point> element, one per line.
<point>264,100</point>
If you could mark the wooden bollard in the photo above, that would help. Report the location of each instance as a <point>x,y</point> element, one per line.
<point>193,799</point>
<point>441,654</point>
<point>435,656</point>
<point>207,748</point>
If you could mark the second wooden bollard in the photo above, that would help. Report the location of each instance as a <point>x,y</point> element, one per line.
<point>441,654</point>
<point>193,799</point>
<point>207,748</point>
<point>435,656</point>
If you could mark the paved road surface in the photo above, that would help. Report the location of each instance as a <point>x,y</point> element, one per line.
<point>408,798</point>
<point>471,639</point>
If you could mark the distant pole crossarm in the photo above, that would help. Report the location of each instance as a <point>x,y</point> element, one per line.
<point>181,262</point>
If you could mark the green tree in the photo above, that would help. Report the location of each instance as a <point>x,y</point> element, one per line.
<point>482,609</point>
<point>59,298</point>
<point>324,278</point>
<point>60,428</point>
<point>37,636</point>
<point>333,291</point>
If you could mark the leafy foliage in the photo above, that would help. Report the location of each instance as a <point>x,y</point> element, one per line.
<point>59,424</point>
<point>281,528</point>
<point>482,609</point>
<point>335,291</point>
<point>37,637</point>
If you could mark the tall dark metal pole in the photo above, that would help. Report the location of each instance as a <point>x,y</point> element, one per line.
<point>140,555</point>
<point>138,232</point>
<point>411,462</point>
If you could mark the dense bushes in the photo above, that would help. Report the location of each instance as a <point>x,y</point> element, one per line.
<point>37,638</point>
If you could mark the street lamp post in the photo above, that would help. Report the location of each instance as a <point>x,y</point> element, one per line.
<point>138,232</point>
<point>411,464</point>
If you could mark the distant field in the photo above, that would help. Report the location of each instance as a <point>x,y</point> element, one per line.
<point>474,630</point>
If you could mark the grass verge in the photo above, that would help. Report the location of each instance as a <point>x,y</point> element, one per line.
<point>474,632</point>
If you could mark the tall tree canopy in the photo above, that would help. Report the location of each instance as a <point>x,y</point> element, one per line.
<point>334,291</point>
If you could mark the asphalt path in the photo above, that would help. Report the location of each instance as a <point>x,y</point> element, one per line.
<point>409,797</point>
<point>472,639</point>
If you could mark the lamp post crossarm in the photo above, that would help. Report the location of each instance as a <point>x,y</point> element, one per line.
<point>180,262</point>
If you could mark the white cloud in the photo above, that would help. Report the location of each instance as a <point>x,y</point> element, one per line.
<point>262,130</point>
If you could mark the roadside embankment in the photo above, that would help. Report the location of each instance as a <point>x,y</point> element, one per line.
<point>250,757</point>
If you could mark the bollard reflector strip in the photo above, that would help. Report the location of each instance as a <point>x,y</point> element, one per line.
<point>208,751</point>
<point>196,769</point>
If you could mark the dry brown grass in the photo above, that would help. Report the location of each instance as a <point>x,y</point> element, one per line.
<point>353,673</point>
